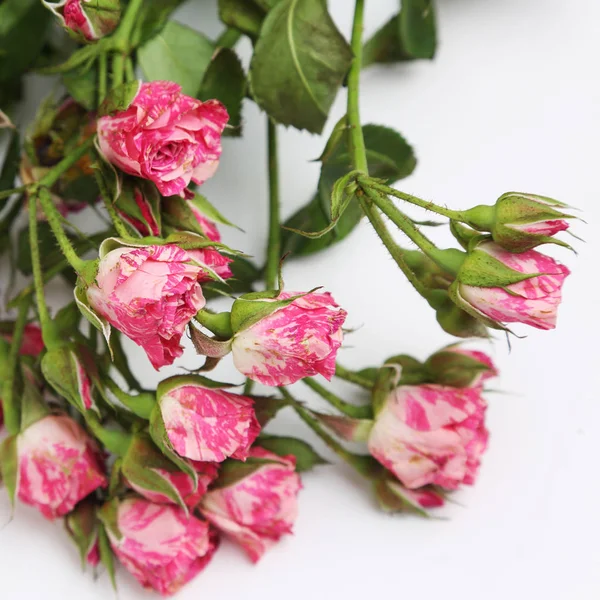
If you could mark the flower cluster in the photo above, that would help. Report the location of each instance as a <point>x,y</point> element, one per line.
<point>153,479</point>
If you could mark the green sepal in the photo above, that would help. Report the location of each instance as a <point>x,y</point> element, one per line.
<point>115,482</point>
<point>158,433</point>
<point>119,98</point>
<point>347,428</point>
<point>306,457</point>
<point>100,323</point>
<point>233,471</point>
<point>412,370</point>
<point>108,514</point>
<point>140,466</point>
<point>392,497</point>
<point>33,407</point>
<point>463,234</point>
<point>133,192</point>
<point>463,305</point>
<point>250,308</point>
<point>453,368</point>
<point>176,381</point>
<point>9,466</point>
<point>60,367</point>
<point>207,346</point>
<point>455,319</point>
<point>387,380</point>
<point>480,269</point>
<point>82,526</point>
<point>266,407</point>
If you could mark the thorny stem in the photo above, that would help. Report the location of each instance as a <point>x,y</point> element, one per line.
<point>118,224</point>
<point>274,243</point>
<point>352,377</point>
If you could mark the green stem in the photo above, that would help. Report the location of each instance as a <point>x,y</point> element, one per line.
<point>352,377</point>
<point>121,363</point>
<point>229,38</point>
<point>351,410</point>
<point>357,142</point>
<point>274,247</point>
<point>121,41</point>
<point>360,463</point>
<point>248,386</point>
<point>102,76</point>
<point>440,210</point>
<point>114,441</point>
<point>65,164</point>
<point>8,193</point>
<point>10,404</point>
<point>129,70</point>
<point>396,252</point>
<point>49,334</point>
<point>54,220</point>
<point>118,224</point>
<point>218,323</point>
<point>449,259</point>
<point>140,404</point>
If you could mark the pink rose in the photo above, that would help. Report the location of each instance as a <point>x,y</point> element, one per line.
<point>259,508</point>
<point>460,367</point>
<point>137,209</point>
<point>208,424</point>
<point>165,136</point>
<point>183,483</point>
<point>58,465</point>
<point>532,301</point>
<point>161,546</point>
<point>150,293</point>
<point>297,341</point>
<point>431,434</point>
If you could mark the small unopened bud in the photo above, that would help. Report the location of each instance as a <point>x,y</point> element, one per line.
<point>87,20</point>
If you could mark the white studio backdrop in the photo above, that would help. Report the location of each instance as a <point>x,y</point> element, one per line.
<point>512,102</point>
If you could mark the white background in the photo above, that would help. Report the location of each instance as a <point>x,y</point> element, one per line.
<point>512,102</point>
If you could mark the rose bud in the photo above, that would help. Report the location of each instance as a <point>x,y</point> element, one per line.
<point>138,205</point>
<point>166,137</point>
<point>153,476</point>
<point>394,497</point>
<point>459,367</point>
<point>208,227</point>
<point>87,20</point>
<point>520,222</point>
<point>58,465</point>
<point>203,422</point>
<point>501,287</point>
<point>150,293</point>
<point>160,545</point>
<point>32,343</point>
<point>82,526</point>
<point>430,434</point>
<point>258,506</point>
<point>299,339</point>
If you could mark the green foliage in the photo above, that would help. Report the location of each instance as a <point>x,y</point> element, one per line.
<point>177,54</point>
<point>306,457</point>
<point>389,157</point>
<point>299,62</point>
<point>225,80</point>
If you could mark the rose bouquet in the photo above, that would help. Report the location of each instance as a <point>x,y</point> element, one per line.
<point>152,479</point>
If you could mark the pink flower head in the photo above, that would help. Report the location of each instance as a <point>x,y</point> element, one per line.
<point>431,434</point>
<point>150,293</point>
<point>86,19</point>
<point>258,509</point>
<point>208,424</point>
<point>296,341</point>
<point>165,136</point>
<point>183,483</point>
<point>533,301</point>
<point>161,546</point>
<point>58,465</point>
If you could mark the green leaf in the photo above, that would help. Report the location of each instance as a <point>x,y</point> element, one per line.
<point>82,85</point>
<point>177,54</point>
<point>153,16</point>
<point>9,466</point>
<point>11,163</point>
<point>266,407</point>
<point>306,457</point>
<point>49,251</point>
<point>299,62</point>
<point>245,274</point>
<point>23,27</point>
<point>389,157</point>
<point>245,15</point>
<point>225,80</point>
<point>416,27</point>
<point>385,45</point>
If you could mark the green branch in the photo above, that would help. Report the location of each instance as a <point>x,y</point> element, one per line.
<point>351,410</point>
<point>352,377</point>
